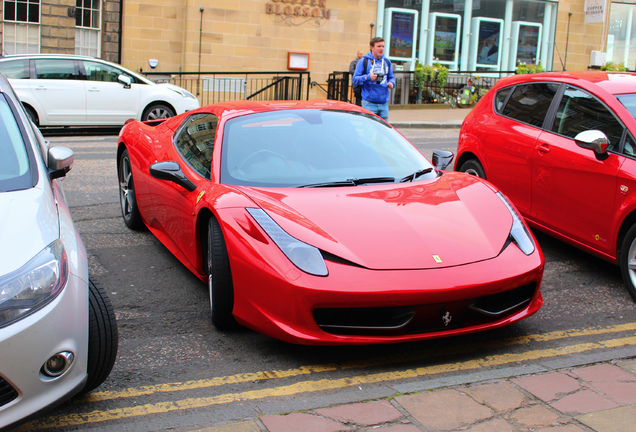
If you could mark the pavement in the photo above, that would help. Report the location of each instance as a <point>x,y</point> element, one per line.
<point>427,116</point>
<point>587,396</point>
<point>576,394</point>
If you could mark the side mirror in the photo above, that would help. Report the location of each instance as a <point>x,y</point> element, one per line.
<point>59,160</point>
<point>442,158</point>
<point>594,140</point>
<point>171,171</point>
<point>125,80</point>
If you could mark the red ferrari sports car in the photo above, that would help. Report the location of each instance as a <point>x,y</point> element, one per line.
<point>318,223</point>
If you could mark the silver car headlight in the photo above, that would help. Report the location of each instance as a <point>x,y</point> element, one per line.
<point>518,233</point>
<point>302,255</point>
<point>35,284</point>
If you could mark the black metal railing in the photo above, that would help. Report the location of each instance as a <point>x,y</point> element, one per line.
<point>213,87</point>
<point>406,91</point>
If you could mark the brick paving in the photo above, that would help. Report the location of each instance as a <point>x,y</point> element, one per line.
<point>589,398</point>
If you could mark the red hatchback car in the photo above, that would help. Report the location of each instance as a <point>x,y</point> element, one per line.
<point>561,146</point>
<point>318,223</point>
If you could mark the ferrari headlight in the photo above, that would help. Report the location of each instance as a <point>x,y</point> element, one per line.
<point>304,256</point>
<point>518,233</point>
<point>35,284</point>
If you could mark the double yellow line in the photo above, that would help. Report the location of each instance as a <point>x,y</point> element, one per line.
<point>335,384</point>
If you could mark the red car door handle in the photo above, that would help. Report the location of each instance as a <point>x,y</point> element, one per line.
<point>543,148</point>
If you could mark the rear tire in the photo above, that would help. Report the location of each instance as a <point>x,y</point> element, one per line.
<point>103,337</point>
<point>627,261</point>
<point>473,167</point>
<point>33,116</point>
<point>219,279</point>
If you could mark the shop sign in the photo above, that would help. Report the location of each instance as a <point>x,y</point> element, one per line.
<point>294,11</point>
<point>594,11</point>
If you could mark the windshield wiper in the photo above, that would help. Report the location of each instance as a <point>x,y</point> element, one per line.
<point>352,182</point>
<point>416,174</point>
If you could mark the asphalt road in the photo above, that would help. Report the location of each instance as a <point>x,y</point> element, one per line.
<point>175,370</point>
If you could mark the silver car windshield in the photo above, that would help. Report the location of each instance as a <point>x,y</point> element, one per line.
<point>14,159</point>
<point>317,148</point>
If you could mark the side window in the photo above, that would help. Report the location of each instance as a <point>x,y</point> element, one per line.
<point>580,111</point>
<point>630,146</point>
<point>55,69</point>
<point>530,103</point>
<point>195,141</point>
<point>500,98</point>
<point>101,72</point>
<point>18,69</point>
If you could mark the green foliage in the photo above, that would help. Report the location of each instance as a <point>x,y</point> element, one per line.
<point>609,66</point>
<point>523,68</point>
<point>426,73</point>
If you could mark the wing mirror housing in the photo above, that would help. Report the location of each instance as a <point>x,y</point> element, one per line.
<point>171,171</point>
<point>442,158</point>
<point>59,161</point>
<point>593,140</point>
<point>125,80</point>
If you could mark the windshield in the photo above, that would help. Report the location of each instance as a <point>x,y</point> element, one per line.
<point>317,148</point>
<point>629,101</point>
<point>14,160</point>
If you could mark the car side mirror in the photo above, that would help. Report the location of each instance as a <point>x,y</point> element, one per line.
<point>442,158</point>
<point>594,140</point>
<point>125,80</point>
<point>59,161</point>
<point>171,171</point>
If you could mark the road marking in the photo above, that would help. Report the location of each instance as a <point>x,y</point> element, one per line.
<point>321,385</point>
<point>307,370</point>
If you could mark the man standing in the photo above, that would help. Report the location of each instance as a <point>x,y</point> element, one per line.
<point>375,74</point>
<point>357,90</point>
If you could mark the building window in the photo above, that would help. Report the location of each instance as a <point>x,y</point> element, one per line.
<point>469,35</point>
<point>87,22</point>
<point>20,27</point>
<point>621,37</point>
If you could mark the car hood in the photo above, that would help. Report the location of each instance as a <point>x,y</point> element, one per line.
<point>28,223</point>
<point>453,220</point>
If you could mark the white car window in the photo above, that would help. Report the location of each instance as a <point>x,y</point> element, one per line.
<point>100,72</point>
<point>55,69</point>
<point>14,160</point>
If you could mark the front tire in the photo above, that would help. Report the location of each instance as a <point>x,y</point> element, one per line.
<point>127,198</point>
<point>157,112</point>
<point>473,167</point>
<point>219,279</point>
<point>103,337</point>
<point>627,261</point>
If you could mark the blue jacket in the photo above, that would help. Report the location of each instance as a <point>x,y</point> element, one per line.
<point>374,91</point>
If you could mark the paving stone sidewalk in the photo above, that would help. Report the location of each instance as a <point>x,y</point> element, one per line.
<point>599,397</point>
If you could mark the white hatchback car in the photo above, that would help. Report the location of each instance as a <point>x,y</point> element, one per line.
<point>58,334</point>
<point>70,90</point>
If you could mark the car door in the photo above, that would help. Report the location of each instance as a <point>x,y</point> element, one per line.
<point>510,140</point>
<point>108,101</point>
<point>173,204</point>
<point>573,190</point>
<point>59,90</point>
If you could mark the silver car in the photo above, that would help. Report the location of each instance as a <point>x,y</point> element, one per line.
<point>58,334</point>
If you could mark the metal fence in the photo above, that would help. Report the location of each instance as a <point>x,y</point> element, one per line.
<point>406,92</point>
<point>213,87</point>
